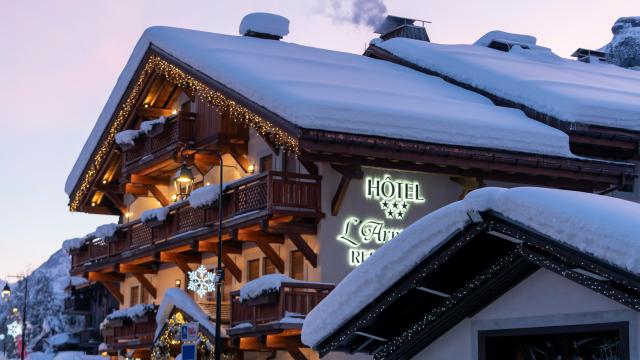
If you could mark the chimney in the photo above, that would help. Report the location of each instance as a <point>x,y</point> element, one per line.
<point>264,26</point>
<point>396,26</point>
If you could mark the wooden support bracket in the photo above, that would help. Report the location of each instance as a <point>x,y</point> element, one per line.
<point>136,269</point>
<point>304,248</point>
<point>348,172</point>
<point>272,255</point>
<point>228,262</point>
<point>158,194</point>
<point>99,276</point>
<point>113,290</point>
<point>146,284</point>
<point>117,202</point>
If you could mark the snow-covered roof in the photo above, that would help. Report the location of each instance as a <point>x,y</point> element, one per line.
<point>569,90</point>
<point>604,227</point>
<point>328,90</point>
<point>265,23</point>
<point>176,298</point>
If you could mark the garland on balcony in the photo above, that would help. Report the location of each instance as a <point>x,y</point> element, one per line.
<point>171,336</point>
<point>238,114</point>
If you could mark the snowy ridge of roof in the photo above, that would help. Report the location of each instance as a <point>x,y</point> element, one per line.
<point>333,91</point>
<point>569,90</point>
<point>604,227</point>
<point>176,298</point>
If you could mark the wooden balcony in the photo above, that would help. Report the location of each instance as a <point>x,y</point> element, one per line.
<point>79,303</point>
<point>126,333</point>
<point>164,140</point>
<point>266,314</point>
<point>247,202</point>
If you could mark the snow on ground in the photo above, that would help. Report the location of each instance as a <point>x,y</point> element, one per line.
<point>265,23</point>
<point>329,90</point>
<point>602,226</point>
<point>569,90</point>
<point>176,298</point>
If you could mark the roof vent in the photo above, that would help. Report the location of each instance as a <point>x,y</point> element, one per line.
<point>590,56</point>
<point>506,45</point>
<point>504,41</point>
<point>396,26</point>
<point>264,26</point>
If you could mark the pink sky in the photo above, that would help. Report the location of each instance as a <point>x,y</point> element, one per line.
<point>60,60</point>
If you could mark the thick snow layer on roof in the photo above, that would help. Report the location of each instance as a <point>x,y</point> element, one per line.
<point>265,23</point>
<point>487,38</point>
<point>569,90</point>
<point>176,298</point>
<point>604,227</point>
<point>328,90</point>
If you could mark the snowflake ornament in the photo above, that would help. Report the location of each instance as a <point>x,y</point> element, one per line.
<point>14,329</point>
<point>202,281</point>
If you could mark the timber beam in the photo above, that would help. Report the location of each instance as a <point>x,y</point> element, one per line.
<point>113,290</point>
<point>148,180</point>
<point>253,236</point>
<point>110,277</point>
<point>270,253</point>
<point>136,269</point>
<point>348,173</point>
<point>117,202</point>
<point>135,190</point>
<point>304,248</point>
<point>226,259</point>
<point>142,279</point>
<point>158,194</point>
<point>182,261</point>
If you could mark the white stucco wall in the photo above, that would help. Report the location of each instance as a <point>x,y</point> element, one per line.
<point>544,299</point>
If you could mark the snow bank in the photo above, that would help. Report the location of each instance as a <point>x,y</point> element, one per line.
<point>104,231</point>
<point>128,137</point>
<point>132,313</point>
<point>39,355</point>
<point>204,196</point>
<point>265,23</point>
<point>604,227</point>
<point>73,244</point>
<point>158,214</point>
<point>176,298</point>
<point>566,89</point>
<point>328,90</point>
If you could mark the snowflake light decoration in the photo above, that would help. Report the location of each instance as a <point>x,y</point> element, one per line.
<point>202,281</point>
<point>14,329</point>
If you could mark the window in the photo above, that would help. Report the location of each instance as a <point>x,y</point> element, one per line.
<point>134,296</point>
<point>297,265</point>
<point>268,267</point>
<point>144,295</point>
<point>592,342</point>
<point>253,269</point>
<point>266,163</point>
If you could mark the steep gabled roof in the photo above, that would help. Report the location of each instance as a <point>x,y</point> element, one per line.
<point>320,89</point>
<point>470,252</point>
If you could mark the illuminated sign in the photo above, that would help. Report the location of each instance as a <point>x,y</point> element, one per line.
<point>364,235</point>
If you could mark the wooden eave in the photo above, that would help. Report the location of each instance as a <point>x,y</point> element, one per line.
<point>586,139</point>
<point>494,164</point>
<point>215,85</point>
<point>485,260</point>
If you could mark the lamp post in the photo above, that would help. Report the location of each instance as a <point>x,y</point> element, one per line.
<point>183,181</point>
<point>6,294</point>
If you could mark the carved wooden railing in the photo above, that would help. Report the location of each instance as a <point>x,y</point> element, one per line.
<point>179,128</point>
<point>268,194</point>
<point>122,331</point>
<point>299,298</point>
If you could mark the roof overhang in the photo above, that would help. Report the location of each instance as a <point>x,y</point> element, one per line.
<point>465,274</point>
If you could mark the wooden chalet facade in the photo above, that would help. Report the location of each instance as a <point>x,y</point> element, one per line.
<point>298,201</point>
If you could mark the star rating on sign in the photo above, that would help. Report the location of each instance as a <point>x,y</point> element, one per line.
<point>394,209</point>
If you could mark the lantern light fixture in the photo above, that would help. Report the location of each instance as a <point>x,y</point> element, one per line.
<point>252,168</point>
<point>6,292</point>
<point>183,181</point>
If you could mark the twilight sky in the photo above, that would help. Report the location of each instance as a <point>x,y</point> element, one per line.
<point>60,60</point>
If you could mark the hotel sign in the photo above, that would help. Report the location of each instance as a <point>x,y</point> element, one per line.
<point>395,197</point>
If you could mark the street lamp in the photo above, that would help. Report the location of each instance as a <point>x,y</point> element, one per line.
<point>184,169</point>
<point>6,294</point>
<point>183,181</point>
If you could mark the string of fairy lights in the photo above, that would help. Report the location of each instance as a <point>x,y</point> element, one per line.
<point>171,336</point>
<point>238,114</point>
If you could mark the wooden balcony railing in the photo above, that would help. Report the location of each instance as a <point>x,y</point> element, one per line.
<point>249,199</point>
<point>209,308</point>
<point>127,332</point>
<point>75,304</point>
<point>179,128</point>
<point>299,298</point>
